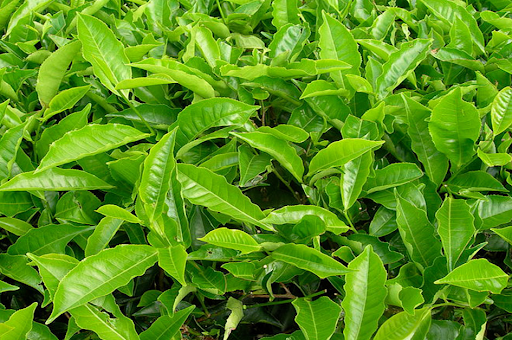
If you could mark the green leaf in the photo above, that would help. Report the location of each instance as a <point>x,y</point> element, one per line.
<point>336,42</point>
<point>401,64</point>
<point>479,275</point>
<point>208,279</point>
<point>103,233</point>
<point>455,227</point>
<point>55,179</point>
<point>309,259</point>
<point>493,211</point>
<point>365,294</point>
<point>277,148</point>
<point>7,9</point>
<point>503,23</point>
<point>52,268</point>
<point>71,122</point>
<point>101,274</point>
<point>232,239</point>
<point>251,164</point>
<point>88,141</point>
<point>5,287</point>
<point>417,232</point>
<point>16,267</point>
<point>434,162</point>
<point>494,159</point>
<point>156,180</point>
<point>448,11</point>
<point>289,39</point>
<point>206,114</point>
<point>89,317</point>
<point>237,313</point>
<point>114,211</point>
<point>287,132</point>
<point>65,100</point>
<point>383,222</point>
<point>293,214</point>
<point>9,144</point>
<point>475,181</point>
<point>198,82</point>
<point>101,48</point>
<point>52,238</point>
<point>19,324</point>
<point>405,326</point>
<point>166,327</point>
<point>317,319</point>
<point>15,226</point>
<point>454,127</point>
<point>504,233</point>
<point>52,71</point>
<point>203,187</point>
<point>159,116</point>
<point>207,44</point>
<point>392,176</point>
<point>321,88</point>
<point>151,80</point>
<point>285,12</point>
<point>341,152</point>
<point>353,177</point>
<point>406,297</point>
<point>173,260</point>
<point>243,270</point>
<point>25,10</point>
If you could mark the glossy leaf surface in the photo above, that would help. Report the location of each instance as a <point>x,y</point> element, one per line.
<point>203,187</point>
<point>107,270</point>
<point>309,259</point>
<point>454,127</point>
<point>317,319</point>
<point>479,275</point>
<point>455,227</point>
<point>88,141</point>
<point>364,302</point>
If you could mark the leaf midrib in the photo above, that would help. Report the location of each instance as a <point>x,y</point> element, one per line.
<point>92,291</point>
<point>250,218</point>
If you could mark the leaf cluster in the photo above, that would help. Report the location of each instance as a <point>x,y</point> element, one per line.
<point>246,169</point>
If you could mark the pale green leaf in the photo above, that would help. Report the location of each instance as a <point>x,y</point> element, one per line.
<point>309,259</point>
<point>90,140</point>
<point>203,187</point>
<point>101,48</point>
<point>103,273</point>
<point>455,127</point>
<point>232,239</point>
<point>317,319</point>
<point>293,214</point>
<point>405,326</point>
<point>479,275</point>
<point>19,324</point>
<point>55,179</point>
<point>339,153</point>
<point>173,260</point>
<point>456,228</point>
<point>277,148</point>
<point>365,294</point>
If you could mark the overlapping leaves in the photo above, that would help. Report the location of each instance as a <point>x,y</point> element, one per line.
<point>248,169</point>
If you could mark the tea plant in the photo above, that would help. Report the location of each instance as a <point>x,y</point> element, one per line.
<point>246,169</point>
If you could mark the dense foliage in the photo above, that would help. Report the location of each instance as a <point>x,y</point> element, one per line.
<point>319,169</point>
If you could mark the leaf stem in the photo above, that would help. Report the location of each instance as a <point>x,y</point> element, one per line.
<point>203,305</point>
<point>134,108</point>
<point>221,11</point>
<point>351,225</point>
<point>284,301</point>
<point>287,185</point>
